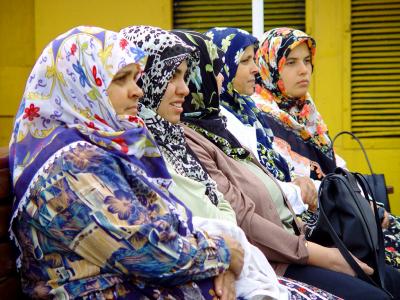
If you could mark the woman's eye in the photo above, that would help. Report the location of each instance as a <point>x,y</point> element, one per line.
<point>137,76</point>
<point>118,79</point>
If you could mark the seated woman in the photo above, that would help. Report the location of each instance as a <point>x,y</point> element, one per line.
<point>286,60</point>
<point>247,123</point>
<point>261,208</point>
<point>164,90</point>
<point>93,218</point>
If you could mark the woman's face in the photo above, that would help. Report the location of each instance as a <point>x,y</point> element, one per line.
<point>123,91</point>
<point>171,103</point>
<point>296,72</point>
<point>245,79</point>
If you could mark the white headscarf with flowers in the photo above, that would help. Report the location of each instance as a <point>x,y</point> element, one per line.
<point>67,88</point>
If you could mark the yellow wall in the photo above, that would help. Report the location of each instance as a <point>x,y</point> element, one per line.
<point>328,21</point>
<point>16,58</point>
<point>27,26</point>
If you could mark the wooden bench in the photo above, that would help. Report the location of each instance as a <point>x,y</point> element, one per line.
<point>10,287</point>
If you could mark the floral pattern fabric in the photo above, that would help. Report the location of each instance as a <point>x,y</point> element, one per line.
<point>392,242</point>
<point>299,290</point>
<point>201,109</point>
<point>234,42</point>
<point>299,115</point>
<point>92,212</point>
<point>166,52</point>
<point>92,225</point>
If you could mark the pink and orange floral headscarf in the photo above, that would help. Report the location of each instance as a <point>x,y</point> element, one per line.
<point>299,115</point>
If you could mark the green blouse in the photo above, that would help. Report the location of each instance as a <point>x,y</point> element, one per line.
<point>276,194</point>
<point>193,194</point>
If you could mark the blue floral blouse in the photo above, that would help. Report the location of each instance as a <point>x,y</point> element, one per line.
<point>92,228</point>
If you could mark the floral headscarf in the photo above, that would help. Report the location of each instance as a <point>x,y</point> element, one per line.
<point>166,52</point>
<point>299,115</point>
<point>233,42</point>
<point>65,105</point>
<point>201,108</point>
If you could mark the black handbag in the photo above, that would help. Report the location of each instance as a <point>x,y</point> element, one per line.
<point>376,181</point>
<point>347,222</point>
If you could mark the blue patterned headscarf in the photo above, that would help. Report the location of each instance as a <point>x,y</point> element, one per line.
<point>233,42</point>
<point>66,101</point>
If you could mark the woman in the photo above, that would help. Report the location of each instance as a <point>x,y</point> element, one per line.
<point>286,61</point>
<point>283,94</point>
<point>260,206</point>
<point>246,122</point>
<point>164,90</point>
<point>93,218</point>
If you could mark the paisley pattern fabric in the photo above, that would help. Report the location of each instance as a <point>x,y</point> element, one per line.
<point>234,42</point>
<point>298,115</point>
<point>166,52</point>
<point>93,217</point>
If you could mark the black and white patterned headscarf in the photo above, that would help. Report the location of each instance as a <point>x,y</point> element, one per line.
<point>166,52</point>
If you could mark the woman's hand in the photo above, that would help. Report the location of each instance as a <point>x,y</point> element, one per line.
<point>237,255</point>
<point>385,220</point>
<point>341,265</point>
<point>308,192</point>
<point>224,285</point>
<point>332,259</point>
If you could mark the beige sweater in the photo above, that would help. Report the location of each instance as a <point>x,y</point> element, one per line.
<point>255,211</point>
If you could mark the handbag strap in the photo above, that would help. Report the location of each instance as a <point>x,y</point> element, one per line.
<point>338,242</point>
<point>359,143</point>
<point>381,255</point>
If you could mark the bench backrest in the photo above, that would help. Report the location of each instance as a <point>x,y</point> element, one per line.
<point>9,280</point>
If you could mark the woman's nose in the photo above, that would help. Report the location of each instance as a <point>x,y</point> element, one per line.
<point>134,90</point>
<point>254,68</point>
<point>182,88</point>
<point>303,68</point>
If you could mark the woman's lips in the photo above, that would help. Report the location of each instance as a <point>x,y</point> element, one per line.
<point>303,83</point>
<point>177,106</point>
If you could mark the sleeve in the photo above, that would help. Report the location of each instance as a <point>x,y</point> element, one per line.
<point>293,194</point>
<point>226,209</point>
<point>273,240</point>
<point>340,162</point>
<point>192,194</point>
<point>124,228</point>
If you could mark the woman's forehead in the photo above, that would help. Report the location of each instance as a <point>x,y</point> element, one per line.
<point>301,49</point>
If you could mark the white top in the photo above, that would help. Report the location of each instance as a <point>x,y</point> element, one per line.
<point>247,137</point>
<point>245,134</point>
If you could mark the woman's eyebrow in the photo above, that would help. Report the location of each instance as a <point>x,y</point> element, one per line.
<point>297,57</point>
<point>246,56</point>
<point>180,71</point>
<point>123,73</point>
